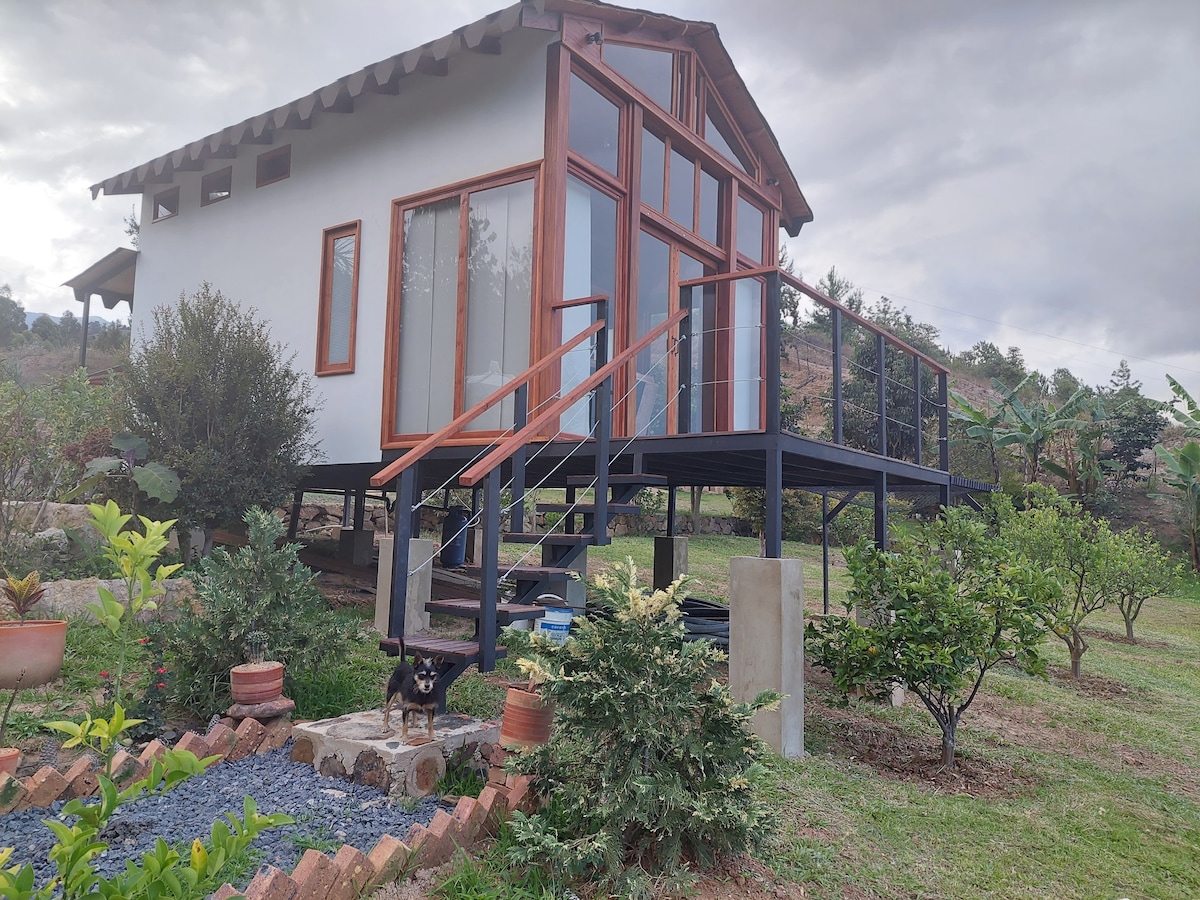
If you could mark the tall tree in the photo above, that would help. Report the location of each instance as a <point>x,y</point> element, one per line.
<point>222,405</point>
<point>12,317</point>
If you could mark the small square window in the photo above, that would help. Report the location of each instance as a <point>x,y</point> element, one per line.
<point>216,186</point>
<point>166,204</point>
<point>274,165</point>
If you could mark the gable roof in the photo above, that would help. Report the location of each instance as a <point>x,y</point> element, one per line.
<point>433,58</point>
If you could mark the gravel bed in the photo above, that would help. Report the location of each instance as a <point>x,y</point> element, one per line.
<point>329,812</point>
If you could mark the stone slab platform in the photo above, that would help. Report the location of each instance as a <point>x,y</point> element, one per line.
<point>357,747</point>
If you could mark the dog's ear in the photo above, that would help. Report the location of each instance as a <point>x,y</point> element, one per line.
<point>417,658</point>
<point>439,661</point>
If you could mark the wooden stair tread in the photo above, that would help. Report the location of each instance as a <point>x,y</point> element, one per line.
<point>553,539</point>
<point>530,573</point>
<point>454,651</point>
<point>620,478</point>
<point>470,609</point>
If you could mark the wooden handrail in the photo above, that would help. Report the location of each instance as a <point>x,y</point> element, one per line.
<point>394,468</point>
<point>480,470</point>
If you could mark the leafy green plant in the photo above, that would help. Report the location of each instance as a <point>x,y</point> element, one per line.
<point>100,736</point>
<point>22,594</point>
<point>1141,571</point>
<point>936,612</point>
<point>651,766</point>
<point>131,555</point>
<point>163,873</point>
<point>1183,473</point>
<point>151,478</point>
<point>262,588</point>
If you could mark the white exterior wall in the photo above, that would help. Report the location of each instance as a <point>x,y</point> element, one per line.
<point>262,247</point>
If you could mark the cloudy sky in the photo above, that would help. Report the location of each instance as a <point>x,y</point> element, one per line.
<point>1016,171</point>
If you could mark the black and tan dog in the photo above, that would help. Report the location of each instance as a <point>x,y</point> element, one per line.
<point>415,684</point>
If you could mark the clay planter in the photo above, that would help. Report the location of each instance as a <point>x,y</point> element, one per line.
<point>527,719</point>
<point>10,758</point>
<point>256,682</point>
<point>37,647</point>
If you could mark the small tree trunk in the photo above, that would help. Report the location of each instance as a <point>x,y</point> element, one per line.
<point>948,736</point>
<point>1129,629</point>
<point>208,542</point>
<point>1076,659</point>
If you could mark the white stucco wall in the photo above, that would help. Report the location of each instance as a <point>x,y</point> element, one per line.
<point>262,246</point>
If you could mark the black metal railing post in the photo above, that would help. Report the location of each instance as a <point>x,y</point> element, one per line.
<point>402,532</point>
<point>835,321</point>
<point>684,347</point>
<point>774,342</point>
<point>489,586</point>
<point>603,431</point>
<point>943,424</point>
<point>516,522</point>
<point>881,392</point>
<point>918,412</point>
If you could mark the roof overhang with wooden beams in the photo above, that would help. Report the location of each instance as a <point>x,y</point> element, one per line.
<point>110,278</point>
<point>433,59</point>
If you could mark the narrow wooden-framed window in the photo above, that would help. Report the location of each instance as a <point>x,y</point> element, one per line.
<point>338,313</point>
<point>166,204</point>
<point>216,186</point>
<point>273,165</point>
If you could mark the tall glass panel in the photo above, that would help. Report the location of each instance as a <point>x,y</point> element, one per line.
<point>428,314</point>
<point>593,125</point>
<point>341,298</point>
<point>590,268</point>
<point>719,142</point>
<point>709,191</point>
<point>654,155</point>
<point>650,393</point>
<point>749,230</point>
<point>683,190</point>
<point>499,285</point>
<point>649,70</point>
<point>747,354</point>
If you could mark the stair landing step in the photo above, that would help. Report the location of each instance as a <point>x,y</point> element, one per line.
<point>530,573</point>
<point>620,478</point>
<point>466,652</point>
<point>551,539</point>
<point>506,613</point>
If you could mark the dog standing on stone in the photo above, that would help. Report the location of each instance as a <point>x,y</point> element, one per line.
<point>415,685</point>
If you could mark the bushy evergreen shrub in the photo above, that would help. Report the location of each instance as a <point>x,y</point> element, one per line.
<point>261,587</point>
<point>651,766</point>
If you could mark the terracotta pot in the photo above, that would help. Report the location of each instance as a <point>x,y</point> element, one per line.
<point>527,719</point>
<point>256,682</point>
<point>37,647</point>
<point>10,758</point>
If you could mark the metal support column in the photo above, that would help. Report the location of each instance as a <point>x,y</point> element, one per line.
<point>489,576</point>
<point>773,526</point>
<point>918,413</point>
<point>881,511</point>
<point>406,491</point>
<point>835,321</point>
<point>603,432</point>
<point>881,393</point>
<point>516,521</point>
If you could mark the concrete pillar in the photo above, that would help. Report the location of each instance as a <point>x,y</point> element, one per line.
<point>766,645</point>
<point>670,559</point>
<point>420,584</point>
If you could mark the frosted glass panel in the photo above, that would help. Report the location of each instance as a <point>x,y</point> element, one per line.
<point>499,279</point>
<point>341,297</point>
<point>747,365</point>
<point>428,309</point>
<point>590,269</point>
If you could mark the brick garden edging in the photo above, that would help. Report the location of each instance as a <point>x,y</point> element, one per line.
<point>351,872</point>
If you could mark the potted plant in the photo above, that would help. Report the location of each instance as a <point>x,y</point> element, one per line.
<point>10,757</point>
<point>32,648</point>
<point>256,680</point>
<point>527,715</point>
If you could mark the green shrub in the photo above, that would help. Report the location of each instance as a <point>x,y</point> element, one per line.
<point>261,587</point>
<point>651,766</point>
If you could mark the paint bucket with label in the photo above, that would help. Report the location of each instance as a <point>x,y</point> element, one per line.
<point>556,623</point>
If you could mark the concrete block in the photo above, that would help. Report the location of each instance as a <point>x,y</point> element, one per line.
<point>420,584</point>
<point>356,547</point>
<point>315,876</point>
<point>670,559</point>
<point>389,858</point>
<point>766,645</point>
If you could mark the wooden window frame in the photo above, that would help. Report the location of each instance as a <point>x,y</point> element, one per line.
<point>204,190</point>
<point>533,172</point>
<point>173,193</point>
<point>266,158</point>
<point>325,309</point>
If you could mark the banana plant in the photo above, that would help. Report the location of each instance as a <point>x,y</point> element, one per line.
<point>1183,472</point>
<point>1189,416</point>
<point>1028,427</point>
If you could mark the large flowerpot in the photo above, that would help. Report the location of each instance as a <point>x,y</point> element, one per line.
<point>35,647</point>
<point>527,719</point>
<point>256,682</point>
<point>10,758</point>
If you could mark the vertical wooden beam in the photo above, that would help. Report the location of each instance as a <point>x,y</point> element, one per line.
<point>489,587</point>
<point>360,508</point>
<point>294,517</point>
<point>671,492</point>
<point>86,298</point>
